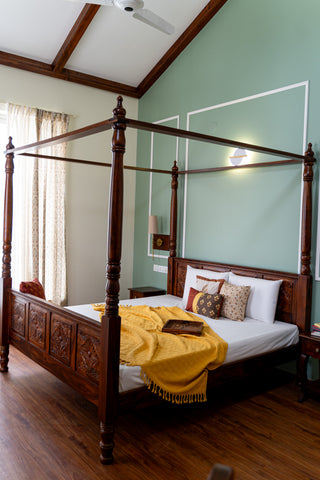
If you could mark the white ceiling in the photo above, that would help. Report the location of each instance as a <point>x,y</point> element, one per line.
<point>115,46</point>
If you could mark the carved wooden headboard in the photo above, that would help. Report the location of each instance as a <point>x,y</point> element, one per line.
<point>294,301</point>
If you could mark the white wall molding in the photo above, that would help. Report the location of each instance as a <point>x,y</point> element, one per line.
<point>176,117</point>
<point>304,85</point>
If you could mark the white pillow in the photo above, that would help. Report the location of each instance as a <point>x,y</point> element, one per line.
<point>263,297</point>
<point>191,280</point>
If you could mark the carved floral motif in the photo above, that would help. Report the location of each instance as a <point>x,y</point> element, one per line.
<point>37,326</point>
<point>18,320</point>
<point>181,277</point>
<point>88,355</point>
<point>285,302</point>
<point>60,340</point>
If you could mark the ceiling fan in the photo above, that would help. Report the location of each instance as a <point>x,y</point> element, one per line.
<point>136,8</point>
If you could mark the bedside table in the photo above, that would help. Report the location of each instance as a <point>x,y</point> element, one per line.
<point>141,292</point>
<point>309,347</point>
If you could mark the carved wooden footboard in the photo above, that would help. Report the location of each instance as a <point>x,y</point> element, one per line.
<point>65,343</point>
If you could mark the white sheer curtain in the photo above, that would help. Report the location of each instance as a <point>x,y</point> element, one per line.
<point>3,142</point>
<point>22,125</point>
<point>39,244</point>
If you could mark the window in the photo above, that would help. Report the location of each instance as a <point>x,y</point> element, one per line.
<point>38,243</point>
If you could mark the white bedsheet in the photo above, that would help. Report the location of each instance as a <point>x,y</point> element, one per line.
<point>245,339</point>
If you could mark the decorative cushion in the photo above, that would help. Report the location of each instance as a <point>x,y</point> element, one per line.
<point>263,298</point>
<point>208,285</point>
<point>208,305</point>
<point>235,301</point>
<point>192,293</point>
<point>33,287</point>
<point>190,280</point>
<point>204,303</point>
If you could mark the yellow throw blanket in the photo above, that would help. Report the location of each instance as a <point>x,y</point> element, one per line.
<point>173,366</point>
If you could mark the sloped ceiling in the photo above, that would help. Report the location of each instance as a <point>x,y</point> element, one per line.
<point>98,46</point>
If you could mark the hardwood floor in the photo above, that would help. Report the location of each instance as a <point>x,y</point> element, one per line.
<point>48,431</point>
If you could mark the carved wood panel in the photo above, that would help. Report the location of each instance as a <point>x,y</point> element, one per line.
<point>88,355</point>
<point>285,302</point>
<point>18,319</point>
<point>37,326</point>
<point>160,242</point>
<point>181,277</point>
<point>60,339</point>
<point>288,294</point>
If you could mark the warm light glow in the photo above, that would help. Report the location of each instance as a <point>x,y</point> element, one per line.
<point>238,155</point>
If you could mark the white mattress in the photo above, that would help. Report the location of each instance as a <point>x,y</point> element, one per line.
<point>245,339</point>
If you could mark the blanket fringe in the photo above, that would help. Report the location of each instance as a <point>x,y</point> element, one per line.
<point>172,397</point>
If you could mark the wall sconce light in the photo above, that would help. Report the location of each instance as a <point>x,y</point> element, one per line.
<point>238,155</point>
<point>153,224</point>
<point>153,228</point>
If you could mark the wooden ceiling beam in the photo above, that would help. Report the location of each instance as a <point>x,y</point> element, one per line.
<point>57,70</point>
<point>34,66</point>
<point>82,23</point>
<point>183,41</point>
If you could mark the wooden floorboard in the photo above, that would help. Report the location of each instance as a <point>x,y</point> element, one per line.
<point>48,431</point>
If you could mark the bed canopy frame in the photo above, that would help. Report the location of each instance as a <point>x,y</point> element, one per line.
<point>85,354</point>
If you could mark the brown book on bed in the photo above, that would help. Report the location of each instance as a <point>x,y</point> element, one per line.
<point>177,327</point>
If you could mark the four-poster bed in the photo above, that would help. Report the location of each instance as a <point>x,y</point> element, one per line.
<point>84,353</point>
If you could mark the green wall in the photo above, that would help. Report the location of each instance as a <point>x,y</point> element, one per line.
<point>252,217</point>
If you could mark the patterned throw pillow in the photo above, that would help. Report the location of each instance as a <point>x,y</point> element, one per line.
<point>208,305</point>
<point>33,287</point>
<point>204,303</point>
<point>208,285</point>
<point>235,301</point>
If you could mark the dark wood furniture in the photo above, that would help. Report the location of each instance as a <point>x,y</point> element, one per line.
<point>309,347</point>
<point>85,354</point>
<point>160,241</point>
<point>141,292</point>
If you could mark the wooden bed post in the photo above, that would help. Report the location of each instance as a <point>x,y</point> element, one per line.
<point>173,211</point>
<point>307,211</point>
<point>6,259</point>
<point>173,224</point>
<point>304,298</point>
<point>111,322</point>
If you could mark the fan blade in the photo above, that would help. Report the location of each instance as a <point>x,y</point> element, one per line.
<point>109,3</point>
<point>153,20</point>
